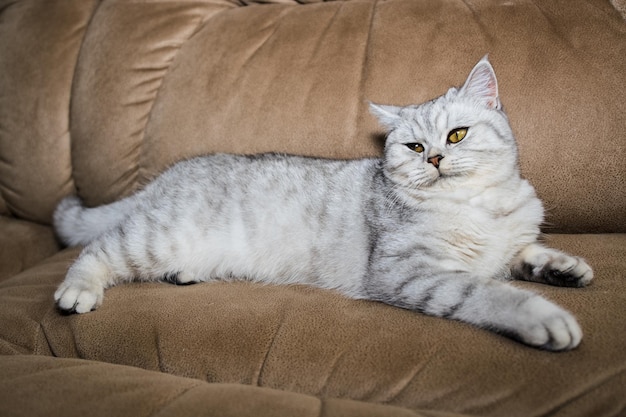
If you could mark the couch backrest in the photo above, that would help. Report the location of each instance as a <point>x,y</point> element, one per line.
<point>96,97</point>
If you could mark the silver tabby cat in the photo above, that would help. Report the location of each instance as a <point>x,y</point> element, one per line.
<point>437,225</point>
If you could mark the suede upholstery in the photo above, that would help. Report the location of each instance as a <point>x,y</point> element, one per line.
<point>97,97</point>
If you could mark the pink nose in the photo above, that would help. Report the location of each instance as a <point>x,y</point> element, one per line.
<point>435,160</point>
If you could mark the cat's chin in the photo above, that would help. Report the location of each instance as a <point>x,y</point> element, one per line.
<point>442,176</point>
<point>444,181</point>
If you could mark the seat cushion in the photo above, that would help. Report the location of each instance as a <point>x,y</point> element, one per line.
<point>98,389</point>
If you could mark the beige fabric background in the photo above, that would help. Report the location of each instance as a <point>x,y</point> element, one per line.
<point>157,83</point>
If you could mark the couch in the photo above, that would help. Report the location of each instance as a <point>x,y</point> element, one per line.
<point>97,97</point>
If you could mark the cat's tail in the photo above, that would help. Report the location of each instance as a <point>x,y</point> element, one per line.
<point>76,224</point>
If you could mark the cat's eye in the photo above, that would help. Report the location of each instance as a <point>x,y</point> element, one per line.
<point>416,147</point>
<point>457,135</point>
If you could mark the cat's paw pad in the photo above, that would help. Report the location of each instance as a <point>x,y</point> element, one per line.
<point>561,269</point>
<point>79,296</point>
<point>545,325</point>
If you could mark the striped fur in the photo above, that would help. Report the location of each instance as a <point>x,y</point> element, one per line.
<point>433,226</point>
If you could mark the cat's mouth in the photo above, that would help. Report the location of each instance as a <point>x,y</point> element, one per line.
<point>443,173</point>
<point>437,172</point>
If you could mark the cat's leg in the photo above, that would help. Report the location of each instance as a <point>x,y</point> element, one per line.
<point>538,263</point>
<point>82,290</point>
<point>124,254</point>
<point>489,304</point>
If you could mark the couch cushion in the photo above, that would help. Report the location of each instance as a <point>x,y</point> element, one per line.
<point>128,49</point>
<point>23,244</point>
<point>99,389</point>
<point>39,43</point>
<point>315,342</point>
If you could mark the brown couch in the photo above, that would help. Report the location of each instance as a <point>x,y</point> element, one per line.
<point>98,96</point>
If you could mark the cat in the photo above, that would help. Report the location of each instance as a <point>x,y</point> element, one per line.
<point>437,225</point>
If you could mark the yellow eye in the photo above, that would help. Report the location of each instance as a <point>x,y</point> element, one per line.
<point>457,135</point>
<point>416,147</point>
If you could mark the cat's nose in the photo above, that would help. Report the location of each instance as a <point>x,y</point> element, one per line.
<point>435,160</point>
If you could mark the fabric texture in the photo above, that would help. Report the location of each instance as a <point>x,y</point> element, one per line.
<point>135,393</point>
<point>97,97</point>
<point>23,245</point>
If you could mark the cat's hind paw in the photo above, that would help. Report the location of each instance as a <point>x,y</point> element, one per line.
<point>79,296</point>
<point>182,278</point>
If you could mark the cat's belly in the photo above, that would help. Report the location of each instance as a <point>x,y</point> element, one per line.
<point>281,247</point>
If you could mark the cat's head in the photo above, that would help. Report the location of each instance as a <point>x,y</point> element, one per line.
<point>460,139</point>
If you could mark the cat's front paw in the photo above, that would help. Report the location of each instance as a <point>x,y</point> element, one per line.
<point>79,295</point>
<point>565,271</point>
<point>554,267</point>
<point>547,326</point>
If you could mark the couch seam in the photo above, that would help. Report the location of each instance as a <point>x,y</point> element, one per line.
<point>38,350</point>
<point>42,329</point>
<point>320,410</point>
<point>269,349</point>
<point>364,66</point>
<point>140,154</point>
<point>3,199</point>
<point>166,405</point>
<point>94,11</point>
<point>592,385</point>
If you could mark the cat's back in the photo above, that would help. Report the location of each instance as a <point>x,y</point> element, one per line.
<point>268,176</point>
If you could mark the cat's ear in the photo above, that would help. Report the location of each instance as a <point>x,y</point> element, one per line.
<point>388,116</point>
<point>482,84</point>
